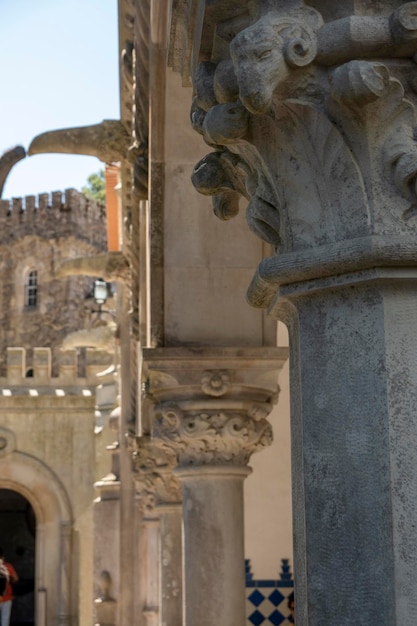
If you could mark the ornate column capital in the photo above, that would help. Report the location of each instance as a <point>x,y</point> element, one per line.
<point>311,113</point>
<point>209,406</point>
<point>210,437</point>
<point>155,483</point>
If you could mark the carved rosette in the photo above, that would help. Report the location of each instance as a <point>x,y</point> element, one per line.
<point>154,481</point>
<point>211,437</point>
<point>215,383</point>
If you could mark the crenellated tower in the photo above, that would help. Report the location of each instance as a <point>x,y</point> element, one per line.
<point>38,233</point>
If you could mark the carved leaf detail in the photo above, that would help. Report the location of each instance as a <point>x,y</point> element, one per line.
<point>316,169</point>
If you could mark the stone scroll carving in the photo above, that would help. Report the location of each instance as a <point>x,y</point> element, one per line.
<point>314,125</point>
<point>211,437</point>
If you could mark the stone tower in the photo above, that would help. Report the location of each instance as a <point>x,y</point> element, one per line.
<point>36,235</point>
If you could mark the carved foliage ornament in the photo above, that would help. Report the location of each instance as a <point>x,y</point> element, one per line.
<point>312,128</point>
<point>211,437</point>
<point>154,481</point>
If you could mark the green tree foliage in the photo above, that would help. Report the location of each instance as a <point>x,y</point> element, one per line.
<point>96,187</point>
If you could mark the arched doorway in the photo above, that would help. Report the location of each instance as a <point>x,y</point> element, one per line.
<point>33,481</point>
<point>18,540</point>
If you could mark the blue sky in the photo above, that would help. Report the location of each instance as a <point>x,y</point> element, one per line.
<point>58,68</point>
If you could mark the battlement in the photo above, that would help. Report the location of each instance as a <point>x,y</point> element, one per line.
<point>55,214</point>
<point>19,379</point>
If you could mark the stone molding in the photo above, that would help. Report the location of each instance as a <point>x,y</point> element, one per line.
<point>336,100</point>
<point>209,406</point>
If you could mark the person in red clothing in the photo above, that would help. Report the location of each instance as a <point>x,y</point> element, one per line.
<point>7,597</point>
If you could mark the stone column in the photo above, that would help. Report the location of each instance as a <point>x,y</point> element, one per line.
<point>159,495</point>
<point>210,409</point>
<point>314,120</point>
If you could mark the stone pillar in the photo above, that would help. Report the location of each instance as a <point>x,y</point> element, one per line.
<point>313,115</point>
<point>159,495</point>
<point>210,409</point>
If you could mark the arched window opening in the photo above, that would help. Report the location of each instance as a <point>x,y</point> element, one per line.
<point>31,289</point>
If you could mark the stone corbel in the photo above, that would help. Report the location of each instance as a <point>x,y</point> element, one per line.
<point>111,266</point>
<point>109,141</point>
<point>7,160</point>
<point>101,337</point>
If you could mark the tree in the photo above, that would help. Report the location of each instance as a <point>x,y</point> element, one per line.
<point>96,188</point>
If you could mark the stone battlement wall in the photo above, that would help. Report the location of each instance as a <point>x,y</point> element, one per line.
<point>52,215</point>
<point>93,362</point>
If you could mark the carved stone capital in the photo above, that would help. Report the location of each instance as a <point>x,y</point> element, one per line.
<point>312,120</point>
<point>209,406</point>
<point>152,470</point>
<point>212,437</point>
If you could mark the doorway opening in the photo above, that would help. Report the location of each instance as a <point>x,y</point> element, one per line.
<point>18,540</point>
